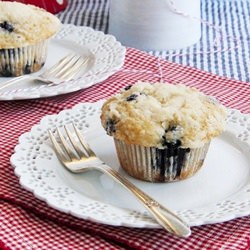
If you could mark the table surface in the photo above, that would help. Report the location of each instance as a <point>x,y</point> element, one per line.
<point>220,69</point>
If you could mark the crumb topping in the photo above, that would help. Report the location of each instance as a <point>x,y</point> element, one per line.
<point>23,24</point>
<point>155,115</point>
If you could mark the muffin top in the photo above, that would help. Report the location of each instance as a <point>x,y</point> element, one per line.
<point>154,115</point>
<point>22,25</point>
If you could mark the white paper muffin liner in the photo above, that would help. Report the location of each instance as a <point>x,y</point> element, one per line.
<point>23,60</point>
<point>160,165</point>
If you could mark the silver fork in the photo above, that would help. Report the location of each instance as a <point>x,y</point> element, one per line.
<point>76,155</point>
<point>64,70</point>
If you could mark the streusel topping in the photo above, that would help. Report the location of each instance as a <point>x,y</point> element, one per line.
<point>153,115</point>
<point>22,24</point>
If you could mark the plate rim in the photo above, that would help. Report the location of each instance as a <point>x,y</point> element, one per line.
<point>66,33</point>
<point>145,224</point>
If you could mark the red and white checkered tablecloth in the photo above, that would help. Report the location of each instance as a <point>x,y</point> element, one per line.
<point>28,223</point>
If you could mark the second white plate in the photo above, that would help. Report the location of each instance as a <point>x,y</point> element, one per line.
<point>220,191</point>
<point>106,53</point>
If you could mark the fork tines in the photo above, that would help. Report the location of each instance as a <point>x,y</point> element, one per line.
<point>70,146</point>
<point>67,67</point>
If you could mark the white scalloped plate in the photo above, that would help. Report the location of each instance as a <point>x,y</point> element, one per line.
<point>106,53</point>
<point>220,191</point>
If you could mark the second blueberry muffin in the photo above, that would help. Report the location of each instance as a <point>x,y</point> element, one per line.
<point>24,34</point>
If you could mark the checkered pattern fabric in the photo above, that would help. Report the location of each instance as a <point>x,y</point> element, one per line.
<point>28,223</point>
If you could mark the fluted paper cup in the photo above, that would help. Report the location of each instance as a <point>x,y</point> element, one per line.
<point>160,165</point>
<point>23,60</point>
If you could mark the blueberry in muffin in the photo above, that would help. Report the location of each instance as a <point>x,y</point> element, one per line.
<point>24,34</point>
<point>162,132</point>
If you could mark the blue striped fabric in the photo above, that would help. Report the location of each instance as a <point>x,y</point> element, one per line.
<point>230,56</point>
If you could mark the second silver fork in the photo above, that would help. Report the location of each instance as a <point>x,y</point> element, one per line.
<point>77,156</point>
<point>64,70</point>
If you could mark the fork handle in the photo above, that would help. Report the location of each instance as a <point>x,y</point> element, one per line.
<point>21,78</point>
<point>166,218</point>
<point>14,80</point>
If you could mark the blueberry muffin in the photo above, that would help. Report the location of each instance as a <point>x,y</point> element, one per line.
<point>162,131</point>
<point>24,34</point>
